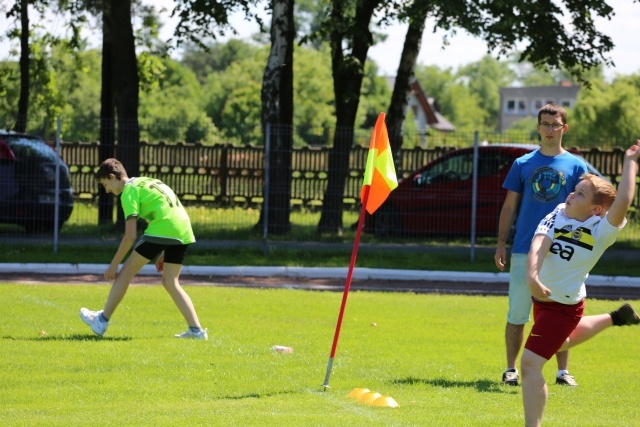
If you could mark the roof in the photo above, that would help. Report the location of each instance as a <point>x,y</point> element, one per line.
<point>435,120</point>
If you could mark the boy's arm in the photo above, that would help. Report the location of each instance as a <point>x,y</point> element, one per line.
<point>627,187</point>
<point>129,238</point>
<point>540,246</point>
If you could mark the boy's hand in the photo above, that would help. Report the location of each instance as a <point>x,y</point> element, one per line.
<point>634,151</point>
<point>160,263</point>
<point>540,292</point>
<point>111,272</point>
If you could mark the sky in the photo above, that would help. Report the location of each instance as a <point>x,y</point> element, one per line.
<point>462,49</point>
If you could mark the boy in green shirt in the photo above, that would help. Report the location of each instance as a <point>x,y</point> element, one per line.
<point>169,234</point>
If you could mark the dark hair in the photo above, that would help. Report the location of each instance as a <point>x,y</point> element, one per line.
<point>552,110</point>
<point>110,166</point>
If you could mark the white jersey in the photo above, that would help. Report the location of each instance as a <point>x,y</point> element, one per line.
<point>576,247</point>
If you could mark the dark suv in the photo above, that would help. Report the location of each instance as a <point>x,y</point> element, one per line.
<point>28,183</point>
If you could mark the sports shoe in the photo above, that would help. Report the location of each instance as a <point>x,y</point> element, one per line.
<point>200,335</point>
<point>510,377</point>
<point>566,379</point>
<point>92,318</point>
<point>625,315</point>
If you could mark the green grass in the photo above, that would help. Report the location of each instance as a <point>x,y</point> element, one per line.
<point>239,223</point>
<point>439,356</point>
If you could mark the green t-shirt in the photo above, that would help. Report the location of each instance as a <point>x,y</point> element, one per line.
<point>154,201</point>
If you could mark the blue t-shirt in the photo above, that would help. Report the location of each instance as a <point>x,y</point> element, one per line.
<point>543,182</point>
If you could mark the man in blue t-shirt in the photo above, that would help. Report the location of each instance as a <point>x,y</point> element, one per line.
<point>536,184</point>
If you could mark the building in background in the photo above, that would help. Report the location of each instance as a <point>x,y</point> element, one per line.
<point>521,102</point>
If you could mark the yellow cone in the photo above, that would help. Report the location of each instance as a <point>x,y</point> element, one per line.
<point>387,401</point>
<point>369,397</point>
<point>357,392</point>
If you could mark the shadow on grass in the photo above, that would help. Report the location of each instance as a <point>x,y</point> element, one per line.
<point>483,386</point>
<point>74,337</point>
<point>259,395</point>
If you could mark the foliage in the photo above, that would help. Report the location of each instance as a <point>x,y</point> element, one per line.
<point>484,79</point>
<point>607,114</point>
<point>456,101</point>
<point>178,87</point>
<point>549,40</point>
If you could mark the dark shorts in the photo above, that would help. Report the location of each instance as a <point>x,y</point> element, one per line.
<point>553,323</point>
<point>173,254</point>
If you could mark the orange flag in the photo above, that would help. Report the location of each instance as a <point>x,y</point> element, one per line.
<point>379,173</point>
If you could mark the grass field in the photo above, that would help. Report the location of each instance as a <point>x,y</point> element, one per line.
<point>439,356</point>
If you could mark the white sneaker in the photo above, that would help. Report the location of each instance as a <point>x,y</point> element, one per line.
<point>92,318</point>
<point>200,335</point>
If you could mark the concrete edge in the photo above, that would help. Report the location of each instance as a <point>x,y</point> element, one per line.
<point>308,272</point>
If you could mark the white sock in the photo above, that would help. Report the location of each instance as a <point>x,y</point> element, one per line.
<point>561,372</point>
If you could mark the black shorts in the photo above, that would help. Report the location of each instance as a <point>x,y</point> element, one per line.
<point>173,254</point>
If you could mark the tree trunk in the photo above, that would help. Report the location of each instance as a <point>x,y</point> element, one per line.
<point>107,112</point>
<point>126,86</point>
<point>404,78</point>
<point>348,72</point>
<point>277,112</point>
<point>25,53</point>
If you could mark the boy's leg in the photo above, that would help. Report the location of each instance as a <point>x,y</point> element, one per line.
<point>131,267</point>
<point>588,327</point>
<point>534,388</point>
<point>170,282</point>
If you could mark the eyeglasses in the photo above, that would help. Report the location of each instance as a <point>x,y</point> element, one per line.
<point>553,126</point>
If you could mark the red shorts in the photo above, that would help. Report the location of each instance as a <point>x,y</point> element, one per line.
<point>553,323</point>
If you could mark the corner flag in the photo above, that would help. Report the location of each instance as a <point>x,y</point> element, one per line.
<point>379,180</point>
<point>379,173</point>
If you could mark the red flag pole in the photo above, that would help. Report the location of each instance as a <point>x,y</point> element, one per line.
<point>347,285</point>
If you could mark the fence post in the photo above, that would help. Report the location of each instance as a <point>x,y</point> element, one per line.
<point>56,210</point>
<point>265,190</point>
<point>474,199</point>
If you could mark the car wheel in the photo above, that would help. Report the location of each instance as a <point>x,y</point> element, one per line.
<point>387,221</point>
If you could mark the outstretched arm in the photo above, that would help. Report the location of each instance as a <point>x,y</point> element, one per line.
<point>627,187</point>
<point>539,248</point>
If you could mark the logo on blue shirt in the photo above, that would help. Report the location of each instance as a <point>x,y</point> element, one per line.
<point>546,183</point>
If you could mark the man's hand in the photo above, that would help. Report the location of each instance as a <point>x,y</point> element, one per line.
<point>500,257</point>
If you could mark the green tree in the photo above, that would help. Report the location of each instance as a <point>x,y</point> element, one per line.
<point>607,114</point>
<point>215,57</point>
<point>233,98</point>
<point>313,96</point>
<point>484,79</point>
<point>457,102</point>
<point>172,108</point>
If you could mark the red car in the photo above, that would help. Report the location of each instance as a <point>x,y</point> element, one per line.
<point>438,199</point>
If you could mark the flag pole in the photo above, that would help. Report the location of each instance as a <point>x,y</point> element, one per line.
<point>347,285</point>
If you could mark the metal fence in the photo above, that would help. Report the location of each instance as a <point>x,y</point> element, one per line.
<point>223,187</point>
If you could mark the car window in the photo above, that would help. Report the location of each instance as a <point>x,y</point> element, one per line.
<point>26,149</point>
<point>451,169</point>
<point>491,163</point>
